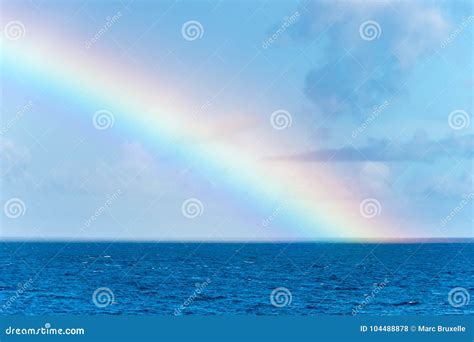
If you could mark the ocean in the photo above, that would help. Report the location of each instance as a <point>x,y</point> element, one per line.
<point>236,278</point>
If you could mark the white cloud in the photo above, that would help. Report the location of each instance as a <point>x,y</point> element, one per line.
<point>14,160</point>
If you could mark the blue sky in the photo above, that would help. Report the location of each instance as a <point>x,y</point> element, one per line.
<point>382,111</point>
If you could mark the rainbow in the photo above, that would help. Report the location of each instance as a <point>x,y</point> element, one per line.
<point>316,202</point>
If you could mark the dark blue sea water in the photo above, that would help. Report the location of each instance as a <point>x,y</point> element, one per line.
<point>217,279</point>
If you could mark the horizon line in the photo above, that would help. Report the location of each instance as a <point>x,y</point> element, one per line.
<point>254,241</point>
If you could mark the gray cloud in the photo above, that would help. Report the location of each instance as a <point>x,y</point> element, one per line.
<point>418,149</point>
<point>357,73</point>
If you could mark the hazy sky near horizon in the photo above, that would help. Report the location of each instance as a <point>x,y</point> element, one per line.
<point>210,120</point>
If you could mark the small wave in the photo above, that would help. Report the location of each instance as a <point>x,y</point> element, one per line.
<point>411,302</point>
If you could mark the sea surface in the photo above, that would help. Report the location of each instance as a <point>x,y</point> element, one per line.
<point>236,278</point>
